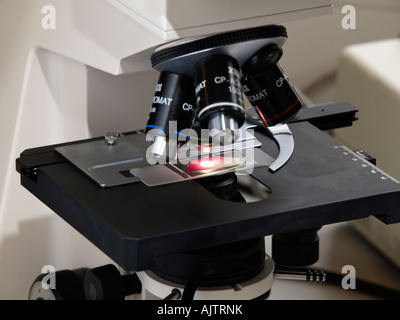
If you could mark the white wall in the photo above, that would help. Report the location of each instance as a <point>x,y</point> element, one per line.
<point>312,51</point>
<point>47,96</point>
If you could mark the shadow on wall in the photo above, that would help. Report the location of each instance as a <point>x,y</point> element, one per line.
<point>23,256</point>
<point>38,243</point>
<point>118,103</point>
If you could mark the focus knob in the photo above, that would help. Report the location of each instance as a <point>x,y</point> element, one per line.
<point>106,283</point>
<point>68,285</point>
<point>296,249</point>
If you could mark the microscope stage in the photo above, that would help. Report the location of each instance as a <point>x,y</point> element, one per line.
<point>324,182</point>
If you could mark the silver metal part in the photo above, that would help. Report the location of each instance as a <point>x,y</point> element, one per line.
<point>284,138</point>
<point>111,137</point>
<point>282,135</point>
<point>127,161</point>
<point>223,129</point>
<point>103,164</point>
<point>172,173</point>
<point>315,276</point>
<point>159,147</point>
<point>37,292</point>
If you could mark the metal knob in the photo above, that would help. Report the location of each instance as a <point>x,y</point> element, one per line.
<point>111,137</point>
<point>106,283</point>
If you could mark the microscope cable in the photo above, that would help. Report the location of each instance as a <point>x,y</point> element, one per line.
<point>323,276</point>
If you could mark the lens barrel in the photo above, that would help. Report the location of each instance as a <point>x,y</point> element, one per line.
<point>173,109</point>
<point>214,97</point>
<point>268,89</point>
<point>219,97</point>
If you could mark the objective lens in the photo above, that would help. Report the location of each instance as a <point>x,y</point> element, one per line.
<point>172,111</point>
<point>268,88</point>
<point>219,97</point>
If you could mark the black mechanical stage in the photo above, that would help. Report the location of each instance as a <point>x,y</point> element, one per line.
<point>324,182</point>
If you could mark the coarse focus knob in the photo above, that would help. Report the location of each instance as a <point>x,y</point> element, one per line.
<point>296,249</point>
<point>106,283</point>
<point>68,285</point>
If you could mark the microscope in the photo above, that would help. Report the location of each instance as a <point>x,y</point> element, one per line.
<point>169,203</point>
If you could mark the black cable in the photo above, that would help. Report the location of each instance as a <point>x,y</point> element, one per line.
<point>189,290</point>
<point>264,296</point>
<point>174,295</point>
<point>365,286</point>
<point>323,276</point>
